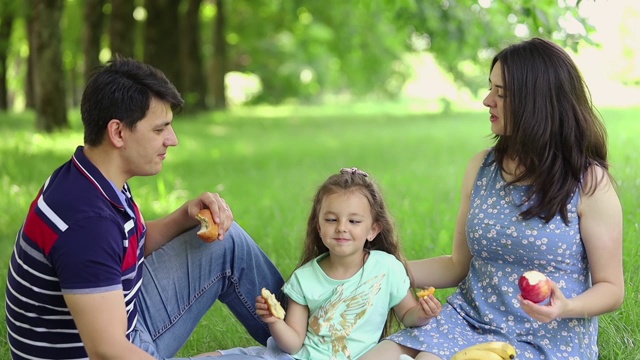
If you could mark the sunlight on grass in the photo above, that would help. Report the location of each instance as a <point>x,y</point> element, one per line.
<point>268,169</point>
<point>31,143</point>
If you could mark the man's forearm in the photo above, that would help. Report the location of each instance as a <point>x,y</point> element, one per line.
<point>163,230</point>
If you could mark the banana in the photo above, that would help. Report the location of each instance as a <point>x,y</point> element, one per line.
<point>476,354</point>
<point>504,349</point>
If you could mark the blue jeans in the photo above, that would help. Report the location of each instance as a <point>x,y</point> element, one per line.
<point>270,352</point>
<point>185,277</point>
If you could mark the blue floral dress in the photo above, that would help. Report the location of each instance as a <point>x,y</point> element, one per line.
<point>485,305</point>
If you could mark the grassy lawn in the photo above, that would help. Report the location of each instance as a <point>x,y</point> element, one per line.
<point>267,164</point>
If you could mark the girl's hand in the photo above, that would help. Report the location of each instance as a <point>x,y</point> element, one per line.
<point>431,306</point>
<point>549,311</point>
<point>262,309</point>
<point>417,313</point>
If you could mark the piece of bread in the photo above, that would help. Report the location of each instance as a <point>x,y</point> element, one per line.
<point>208,229</point>
<point>274,305</point>
<point>426,292</point>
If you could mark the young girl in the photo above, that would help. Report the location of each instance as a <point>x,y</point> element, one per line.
<point>350,276</point>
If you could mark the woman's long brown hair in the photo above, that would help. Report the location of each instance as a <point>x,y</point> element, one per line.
<point>552,129</point>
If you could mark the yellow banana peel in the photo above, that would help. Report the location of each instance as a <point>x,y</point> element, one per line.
<point>492,350</point>
<point>476,354</point>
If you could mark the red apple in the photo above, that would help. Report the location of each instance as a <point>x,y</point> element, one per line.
<point>534,286</point>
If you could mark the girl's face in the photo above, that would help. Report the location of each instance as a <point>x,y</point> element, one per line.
<point>495,100</point>
<point>345,223</point>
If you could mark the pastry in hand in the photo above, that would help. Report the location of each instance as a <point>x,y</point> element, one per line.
<point>208,229</point>
<point>426,292</point>
<point>274,305</point>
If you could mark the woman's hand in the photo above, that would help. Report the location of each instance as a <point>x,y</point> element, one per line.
<point>549,311</point>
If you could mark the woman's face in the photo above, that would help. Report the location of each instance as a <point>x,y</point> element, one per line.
<point>495,100</point>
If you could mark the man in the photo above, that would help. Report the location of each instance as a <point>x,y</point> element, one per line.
<point>88,276</point>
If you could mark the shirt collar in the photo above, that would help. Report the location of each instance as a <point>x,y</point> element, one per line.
<point>93,174</point>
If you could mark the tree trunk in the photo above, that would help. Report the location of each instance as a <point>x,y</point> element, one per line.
<point>93,19</point>
<point>161,39</point>
<point>6,21</point>
<point>29,92</point>
<point>48,74</point>
<point>122,28</point>
<point>193,82</point>
<point>74,95</point>
<point>219,61</point>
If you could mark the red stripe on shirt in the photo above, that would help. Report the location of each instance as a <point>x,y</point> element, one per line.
<point>39,231</point>
<point>131,257</point>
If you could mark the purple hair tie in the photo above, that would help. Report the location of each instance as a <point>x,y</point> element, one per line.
<point>353,171</point>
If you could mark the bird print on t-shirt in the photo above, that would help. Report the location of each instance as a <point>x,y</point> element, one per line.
<point>341,313</point>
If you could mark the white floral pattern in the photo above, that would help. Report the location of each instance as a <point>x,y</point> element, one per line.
<point>485,305</point>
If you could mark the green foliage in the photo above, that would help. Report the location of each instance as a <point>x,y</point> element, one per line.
<point>464,35</point>
<point>267,163</point>
<point>10,7</point>
<point>312,50</point>
<point>72,31</point>
<point>356,48</point>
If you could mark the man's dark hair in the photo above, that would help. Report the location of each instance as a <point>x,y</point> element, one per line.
<point>122,89</point>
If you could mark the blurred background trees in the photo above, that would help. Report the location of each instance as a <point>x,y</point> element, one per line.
<point>282,49</point>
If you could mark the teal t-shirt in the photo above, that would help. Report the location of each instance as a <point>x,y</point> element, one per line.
<point>347,317</point>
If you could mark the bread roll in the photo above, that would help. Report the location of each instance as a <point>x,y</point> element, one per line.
<point>208,229</point>
<point>274,305</point>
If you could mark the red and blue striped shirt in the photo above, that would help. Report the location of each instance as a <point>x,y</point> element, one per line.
<point>81,236</point>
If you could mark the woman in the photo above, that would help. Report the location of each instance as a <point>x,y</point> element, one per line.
<point>540,199</point>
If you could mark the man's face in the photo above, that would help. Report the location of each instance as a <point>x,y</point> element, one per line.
<point>145,146</point>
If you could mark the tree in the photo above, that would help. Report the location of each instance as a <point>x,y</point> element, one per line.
<point>161,40</point>
<point>93,21</point>
<point>48,74</point>
<point>219,61</point>
<point>72,46</point>
<point>464,35</point>
<point>6,22</point>
<point>29,92</point>
<point>302,50</point>
<point>193,83</point>
<point>358,48</point>
<point>122,28</point>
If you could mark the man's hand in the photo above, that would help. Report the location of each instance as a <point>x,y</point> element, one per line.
<point>222,214</point>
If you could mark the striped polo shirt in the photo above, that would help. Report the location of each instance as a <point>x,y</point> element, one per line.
<point>81,236</point>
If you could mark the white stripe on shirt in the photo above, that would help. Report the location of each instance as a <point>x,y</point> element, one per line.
<point>50,214</point>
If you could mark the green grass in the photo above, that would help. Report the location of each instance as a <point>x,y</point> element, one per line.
<point>267,164</point>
